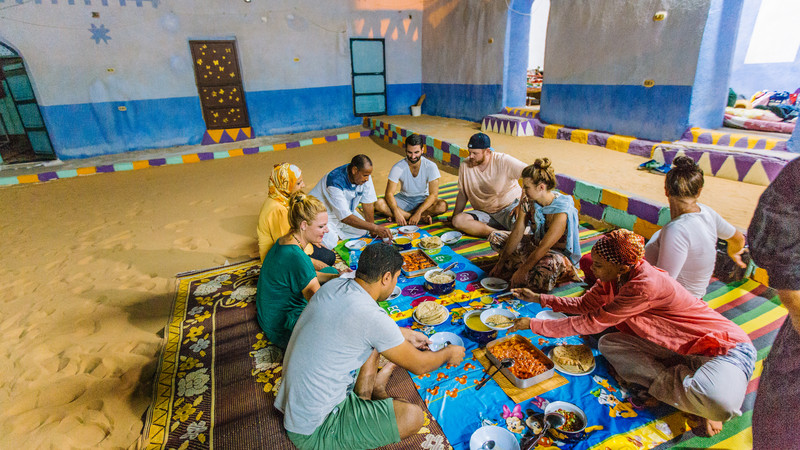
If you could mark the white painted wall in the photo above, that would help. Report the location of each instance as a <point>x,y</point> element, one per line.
<point>622,45</point>
<point>456,47</point>
<point>283,44</point>
<point>539,14</point>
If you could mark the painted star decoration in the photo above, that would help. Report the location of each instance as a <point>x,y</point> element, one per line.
<point>100,33</point>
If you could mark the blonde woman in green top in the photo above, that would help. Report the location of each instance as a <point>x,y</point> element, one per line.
<point>288,279</point>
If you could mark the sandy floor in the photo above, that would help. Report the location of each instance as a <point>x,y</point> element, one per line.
<point>91,261</point>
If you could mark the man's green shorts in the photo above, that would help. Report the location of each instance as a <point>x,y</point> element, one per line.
<point>353,424</point>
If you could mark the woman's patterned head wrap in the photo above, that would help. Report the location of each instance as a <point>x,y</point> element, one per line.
<point>621,247</point>
<point>284,177</point>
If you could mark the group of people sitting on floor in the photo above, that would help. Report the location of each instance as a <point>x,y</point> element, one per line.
<point>666,345</point>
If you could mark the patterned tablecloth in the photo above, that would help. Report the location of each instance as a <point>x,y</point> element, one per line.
<point>460,409</point>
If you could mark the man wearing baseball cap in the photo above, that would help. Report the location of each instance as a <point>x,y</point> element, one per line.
<point>490,181</point>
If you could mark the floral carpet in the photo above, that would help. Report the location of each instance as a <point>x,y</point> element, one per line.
<point>218,375</point>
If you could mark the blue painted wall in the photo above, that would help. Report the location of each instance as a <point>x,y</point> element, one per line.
<point>91,129</point>
<point>464,57</point>
<point>462,101</point>
<point>516,53</point>
<point>748,78</point>
<point>294,60</point>
<point>657,113</point>
<point>794,142</point>
<point>710,88</point>
<point>599,54</point>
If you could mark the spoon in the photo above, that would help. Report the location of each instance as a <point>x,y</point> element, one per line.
<point>449,267</point>
<point>552,420</point>
<point>488,445</point>
<point>505,363</point>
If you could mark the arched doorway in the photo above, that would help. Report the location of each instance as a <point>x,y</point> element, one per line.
<point>23,137</point>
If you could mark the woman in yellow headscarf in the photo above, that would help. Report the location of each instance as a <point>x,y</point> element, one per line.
<point>273,220</point>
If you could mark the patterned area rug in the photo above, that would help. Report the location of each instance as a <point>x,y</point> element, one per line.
<point>218,376</point>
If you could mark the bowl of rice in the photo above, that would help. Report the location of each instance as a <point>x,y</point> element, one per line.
<point>438,282</point>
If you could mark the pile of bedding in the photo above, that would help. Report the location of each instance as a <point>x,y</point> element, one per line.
<point>765,111</point>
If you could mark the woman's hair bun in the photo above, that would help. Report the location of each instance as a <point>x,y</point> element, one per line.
<point>542,163</point>
<point>684,163</point>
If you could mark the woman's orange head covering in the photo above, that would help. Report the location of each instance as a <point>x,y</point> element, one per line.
<point>283,178</point>
<point>621,247</point>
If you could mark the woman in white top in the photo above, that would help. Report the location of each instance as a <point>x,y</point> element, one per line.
<point>686,246</point>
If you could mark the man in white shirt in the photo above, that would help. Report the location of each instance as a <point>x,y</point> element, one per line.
<point>418,180</point>
<point>490,181</point>
<point>332,394</point>
<point>341,190</point>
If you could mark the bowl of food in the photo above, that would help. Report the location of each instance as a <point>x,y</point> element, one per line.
<point>431,244</point>
<point>356,244</point>
<point>576,360</point>
<point>402,243</point>
<point>574,427</point>
<point>451,237</point>
<point>502,438</point>
<point>498,318</point>
<point>439,282</point>
<point>408,229</point>
<point>430,313</point>
<point>442,339</point>
<point>476,330</point>
<point>494,284</point>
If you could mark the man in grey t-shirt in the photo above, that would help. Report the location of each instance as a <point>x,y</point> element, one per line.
<point>331,386</point>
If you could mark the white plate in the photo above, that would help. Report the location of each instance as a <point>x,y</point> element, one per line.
<point>494,284</point>
<point>566,372</point>
<point>441,337</point>
<point>550,315</point>
<point>395,293</point>
<point>492,311</point>
<point>355,245</point>
<point>408,229</point>
<point>451,237</point>
<point>414,316</point>
<point>503,438</point>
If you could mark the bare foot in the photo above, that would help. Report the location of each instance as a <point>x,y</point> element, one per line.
<point>382,377</point>
<point>704,427</point>
<point>427,219</point>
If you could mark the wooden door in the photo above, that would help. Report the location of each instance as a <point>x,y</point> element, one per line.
<point>219,84</point>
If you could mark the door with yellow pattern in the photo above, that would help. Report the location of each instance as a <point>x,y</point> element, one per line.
<point>219,84</point>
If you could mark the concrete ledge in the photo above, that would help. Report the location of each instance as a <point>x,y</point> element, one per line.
<point>733,139</point>
<point>748,167</point>
<point>181,159</point>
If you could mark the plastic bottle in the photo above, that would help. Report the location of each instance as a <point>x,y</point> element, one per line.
<point>353,260</point>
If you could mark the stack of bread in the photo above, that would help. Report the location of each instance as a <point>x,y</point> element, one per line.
<point>573,358</point>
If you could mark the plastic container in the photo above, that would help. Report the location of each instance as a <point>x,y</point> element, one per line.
<point>353,260</point>
<point>522,383</point>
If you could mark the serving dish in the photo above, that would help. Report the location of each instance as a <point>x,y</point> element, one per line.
<point>530,352</point>
<point>416,263</point>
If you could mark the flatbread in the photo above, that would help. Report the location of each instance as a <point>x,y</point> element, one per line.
<point>574,358</point>
<point>430,313</point>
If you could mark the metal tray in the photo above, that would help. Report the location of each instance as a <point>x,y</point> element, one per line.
<point>527,382</point>
<point>419,272</point>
